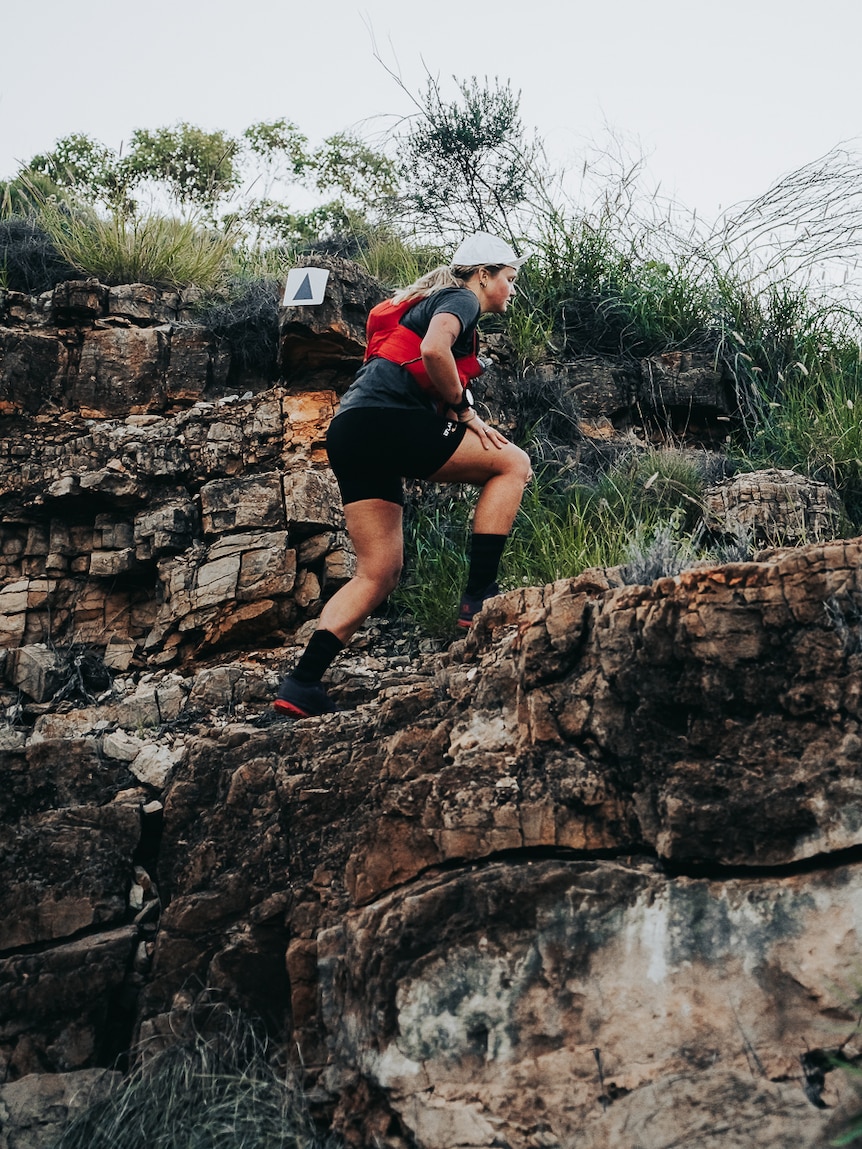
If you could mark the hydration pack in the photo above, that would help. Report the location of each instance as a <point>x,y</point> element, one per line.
<point>389,339</point>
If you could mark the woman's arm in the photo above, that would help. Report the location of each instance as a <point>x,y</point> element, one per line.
<point>437,357</point>
<point>439,362</point>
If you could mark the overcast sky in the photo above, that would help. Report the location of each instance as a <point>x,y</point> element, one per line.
<point>721,96</point>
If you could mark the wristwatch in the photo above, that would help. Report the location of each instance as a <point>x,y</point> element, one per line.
<point>465,402</point>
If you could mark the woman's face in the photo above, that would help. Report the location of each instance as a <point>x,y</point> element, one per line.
<point>496,289</point>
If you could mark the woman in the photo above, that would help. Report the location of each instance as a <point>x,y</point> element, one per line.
<point>409,414</point>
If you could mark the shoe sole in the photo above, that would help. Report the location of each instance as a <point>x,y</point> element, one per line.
<point>289,708</point>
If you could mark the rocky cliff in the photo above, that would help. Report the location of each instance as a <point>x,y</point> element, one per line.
<point>589,877</point>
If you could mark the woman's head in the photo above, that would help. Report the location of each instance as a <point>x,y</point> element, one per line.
<point>484,263</point>
<point>493,286</point>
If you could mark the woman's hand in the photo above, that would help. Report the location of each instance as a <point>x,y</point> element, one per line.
<point>488,436</point>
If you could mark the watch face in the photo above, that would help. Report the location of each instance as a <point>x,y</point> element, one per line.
<point>468,395</point>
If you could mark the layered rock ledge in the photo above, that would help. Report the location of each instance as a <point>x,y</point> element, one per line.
<point>595,882</point>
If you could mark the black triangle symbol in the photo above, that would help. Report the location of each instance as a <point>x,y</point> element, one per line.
<point>304,291</point>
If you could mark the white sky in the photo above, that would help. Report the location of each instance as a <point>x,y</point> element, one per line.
<point>722,96</point>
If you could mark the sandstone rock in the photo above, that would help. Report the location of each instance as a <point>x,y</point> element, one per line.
<point>11,739</point>
<point>140,301</point>
<point>121,746</point>
<point>121,371</point>
<point>167,529</point>
<point>36,670</point>
<point>109,564</point>
<point>34,1110</point>
<point>79,299</point>
<point>149,705</point>
<point>306,419</point>
<point>45,774</point>
<point>56,1005</point>
<point>119,653</point>
<point>685,390</point>
<point>709,719</point>
<point>71,872</point>
<point>561,1000</point>
<point>602,387</point>
<point>33,366</point>
<point>312,500</point>
<point>202,587</point>
<point>253,502</point>
<point>198,363</point>
<point>17,307</point>
<point>153,765</point>
<point>773,508</point>
<point>588,877</point>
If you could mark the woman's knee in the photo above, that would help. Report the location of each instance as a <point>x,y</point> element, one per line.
<point>518,464</point>
<point>393,577</point>
<point>384,576</point>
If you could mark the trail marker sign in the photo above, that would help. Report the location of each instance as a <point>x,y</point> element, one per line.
<point>306,286</point>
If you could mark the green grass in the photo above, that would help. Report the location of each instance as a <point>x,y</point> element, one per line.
<point>164,252</point>
<point>798,364</point>
<point>562,529</point>
<point>392,259</point>
<point>593,288</point>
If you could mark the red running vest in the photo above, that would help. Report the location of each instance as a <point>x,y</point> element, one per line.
<point>388,339</point>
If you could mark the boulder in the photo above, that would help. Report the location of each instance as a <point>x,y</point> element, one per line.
<point>60,1006</point>
<point>35,670</point>
<point>773,507</point>
<point>79,300</point>
<point>142,302</point>
<point>685,390</point>
<point>330,335</point>
<point>121,371</point>
<point>198,363</point>
<point>34,1110</point>
<point>33,368</point>
<point>605,859</point>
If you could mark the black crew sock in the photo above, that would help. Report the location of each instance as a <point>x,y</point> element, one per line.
<point>485,554</point>
<point>315,660</point>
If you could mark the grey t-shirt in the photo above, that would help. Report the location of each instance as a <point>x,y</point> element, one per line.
<point>381,383</point>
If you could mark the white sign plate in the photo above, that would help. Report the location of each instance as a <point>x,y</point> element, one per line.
<point>306,286</point>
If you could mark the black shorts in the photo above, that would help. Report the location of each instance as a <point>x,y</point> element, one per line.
<point>371,449</point>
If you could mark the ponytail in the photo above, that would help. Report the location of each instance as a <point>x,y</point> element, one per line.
<point>434,281</point>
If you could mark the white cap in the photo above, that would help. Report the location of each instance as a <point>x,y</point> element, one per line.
<point>484,250</point>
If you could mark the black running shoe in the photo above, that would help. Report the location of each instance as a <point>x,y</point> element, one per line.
<point>302,699</point>
<point>471,604</point>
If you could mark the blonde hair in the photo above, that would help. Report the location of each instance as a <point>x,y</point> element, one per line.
<point>439,279</point>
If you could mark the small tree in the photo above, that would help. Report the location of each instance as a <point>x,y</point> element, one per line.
<point>197,167</point>
<point>468,164</point>
<point>88,169</point>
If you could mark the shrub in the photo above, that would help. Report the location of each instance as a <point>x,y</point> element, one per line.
<point>592,288</point>
<point>246,318</point>
<point>29,260</point>
<point>662,552</point>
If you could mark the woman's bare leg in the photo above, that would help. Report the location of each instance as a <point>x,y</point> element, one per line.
<point>375,529</point>
<point>501,471</point>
